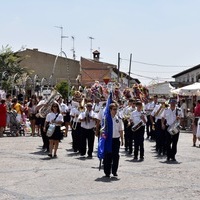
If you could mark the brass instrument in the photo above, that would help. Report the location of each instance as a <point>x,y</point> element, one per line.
<point>44,110</point>
<point>80,109</point>
<point>160,110</point>
<point>174,128</point>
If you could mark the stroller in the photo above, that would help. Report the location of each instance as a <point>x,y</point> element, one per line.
<point>15,126</point>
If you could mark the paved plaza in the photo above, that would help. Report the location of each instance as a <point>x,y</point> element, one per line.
<point>27,173</point>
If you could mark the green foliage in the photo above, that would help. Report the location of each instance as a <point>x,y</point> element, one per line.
<point>62,88</point>
<point>9,67</point>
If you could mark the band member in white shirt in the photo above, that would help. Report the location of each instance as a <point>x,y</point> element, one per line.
<point>169,117</point>
<point>87,119</point>
<point>111,160</point>
<point>127,129</point>
<point>157,126</point>
<point>54,117</point>
<point>148,109</point>
<point>138,119</point>
<point>64,111</point>
<point>76,127</point>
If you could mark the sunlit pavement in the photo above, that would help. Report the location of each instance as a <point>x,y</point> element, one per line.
<point>27,173</point>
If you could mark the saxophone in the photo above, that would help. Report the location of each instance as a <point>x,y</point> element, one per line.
<point>44,110</point>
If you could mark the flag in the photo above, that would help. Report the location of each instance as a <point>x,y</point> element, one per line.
<point>105,141</point>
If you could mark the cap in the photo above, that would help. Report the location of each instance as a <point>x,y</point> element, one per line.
<point>172,101</point>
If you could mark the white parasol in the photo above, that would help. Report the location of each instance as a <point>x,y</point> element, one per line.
<point>189,90</point>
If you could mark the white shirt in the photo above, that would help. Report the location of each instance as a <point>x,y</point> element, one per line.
<point>96,108</point>
<point>170,115</point>
<point>117,126</point>
<point>136,117</point>
<point>149,107</point>
<point>157,107</point>
<point>88,125</point>
<point>184,109</point>
<point>63,108</point>
<point>51,116</point>
<point>100,113</point>
<point>73,113</point>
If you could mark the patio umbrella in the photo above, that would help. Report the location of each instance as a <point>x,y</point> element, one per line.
<point>189,90</point>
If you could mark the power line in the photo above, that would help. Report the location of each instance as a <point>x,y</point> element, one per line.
<point>154,64</point>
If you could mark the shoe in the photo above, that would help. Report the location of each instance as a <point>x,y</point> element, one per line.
<point>141,158</point>
<point>135,158</point>
<point>168,159</point>
<point>55,156</point>
<point>89,156</point>
<point>115,174</point>
<point>173,159</point>
<point>50,155</point>
<point>194,145</point>
<point>108,175</point>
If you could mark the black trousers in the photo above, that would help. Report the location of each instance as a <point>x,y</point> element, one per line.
<point>160,137</point>
<point>111,160</point>
<point>76,137</point>
<point>148,126</point>
<point>87,137</point>
<point>139,142</point>
<point>126,135</point>
<point>45,139</point>
<point>171,144</point>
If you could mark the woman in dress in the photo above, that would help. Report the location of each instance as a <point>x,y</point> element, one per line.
<point>3,114</point>
<point>54,117</point>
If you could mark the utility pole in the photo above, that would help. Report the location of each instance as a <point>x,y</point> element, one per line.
<point>91,38</point>
<point>118,67</point>
<point>61,37</point>
<point>129,72</point>
<point>73,49</point>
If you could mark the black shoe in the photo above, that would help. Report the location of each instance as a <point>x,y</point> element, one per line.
<point>141,158</point>
<point>173,159</point>
<point>55,156</point>
<point>50,155</point>
<point>168,159</point>
<point>89,156</point>
<point>115,174</point>
<point>108,175</point>
<point>135,158</point>
<point>194,145</point>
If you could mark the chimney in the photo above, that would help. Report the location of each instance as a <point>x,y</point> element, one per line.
<point>96,55</point>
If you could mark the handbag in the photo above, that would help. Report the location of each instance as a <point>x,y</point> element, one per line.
<point>51,128</point>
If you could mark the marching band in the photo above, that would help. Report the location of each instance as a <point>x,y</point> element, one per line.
<point>154,116</point>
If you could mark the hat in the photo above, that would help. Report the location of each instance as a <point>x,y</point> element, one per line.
<point>161,100</point>
<point>89,104</point>
<point>172,101</point>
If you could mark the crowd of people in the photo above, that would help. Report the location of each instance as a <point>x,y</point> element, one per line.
<point>131,118</point>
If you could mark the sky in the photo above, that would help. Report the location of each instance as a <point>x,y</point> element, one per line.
<point>162,35</point>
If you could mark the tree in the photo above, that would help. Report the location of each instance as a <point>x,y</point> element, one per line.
<point>63,88</point>
<point>9,67</point>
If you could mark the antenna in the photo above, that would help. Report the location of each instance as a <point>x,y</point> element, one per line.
<point>61,37</point>
<point>73,49</point>
<point>91,38</point>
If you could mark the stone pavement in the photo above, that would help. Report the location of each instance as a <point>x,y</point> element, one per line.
<point>27,173</point>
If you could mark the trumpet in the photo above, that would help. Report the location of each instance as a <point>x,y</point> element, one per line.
<point>74,123</point>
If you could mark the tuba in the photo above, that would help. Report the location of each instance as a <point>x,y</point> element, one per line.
<point>44,110</point>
